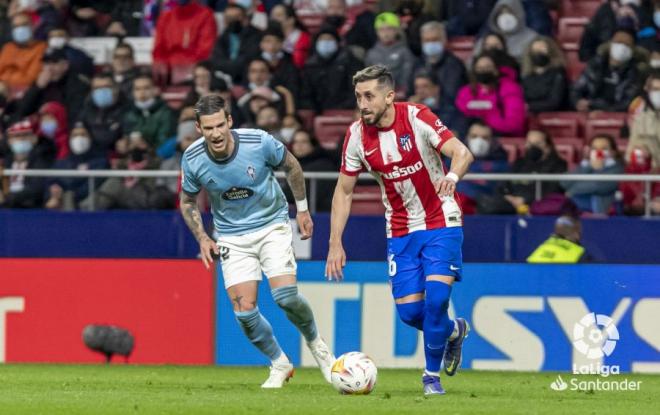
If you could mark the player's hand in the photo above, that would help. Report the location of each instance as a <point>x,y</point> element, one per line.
<point>334,266</point>
<point>445,187</point>
<point>208,249</point>
<point>305,224</point>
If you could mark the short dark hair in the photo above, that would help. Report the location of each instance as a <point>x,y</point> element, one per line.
<point>378,72</point>
<point>124,45</point>
<point>209,104</point>
<point>104,75</point>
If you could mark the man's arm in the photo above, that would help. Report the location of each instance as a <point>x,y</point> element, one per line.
<point>341,208</point>
<point>461,158</point>
<point>193,218</point>
<point>296,180</point>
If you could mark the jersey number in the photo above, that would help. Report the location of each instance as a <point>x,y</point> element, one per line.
<point>391,265</point>
<point>224,253</point>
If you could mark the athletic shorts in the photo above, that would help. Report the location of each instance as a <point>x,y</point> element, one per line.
<point>269,251</point>
<point>413,257</point>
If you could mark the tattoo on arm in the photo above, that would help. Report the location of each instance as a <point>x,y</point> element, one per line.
<point>192,216</point>
<point>294,176</point>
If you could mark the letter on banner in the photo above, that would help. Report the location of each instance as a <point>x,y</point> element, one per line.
<point>645,323</point>
<point>8,305</point>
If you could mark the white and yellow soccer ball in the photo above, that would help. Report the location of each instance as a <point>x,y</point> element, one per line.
<point>354,373</point>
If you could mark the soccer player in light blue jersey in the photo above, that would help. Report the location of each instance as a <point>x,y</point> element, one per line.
<point>251,217</point>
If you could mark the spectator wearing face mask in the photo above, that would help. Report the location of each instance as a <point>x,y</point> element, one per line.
<point>328,75</point>
<point>495,45</point>
<point>57,82</point>
<point>297,40</point>
<point>544,76</point>
<point>508,19</point>
<point>282,69</point>
<point>20,59</point>
<point>269,120</point>
<point>102,114</point>
<point>438,61</point>
<point>79,61</point>
<point>27,151</point>
<point>610,16</point>
<point>612,78</point>
<point>391,51</point>
<point>260,82</point>
<point>123,68</point>
<point>489,157</point>
<point>149,114</point>
<point>67,192</point>
<point>645,120</point>
<point>428,92</point>
<point>639,161</point>
<point>413,16</point>
<point>495,99</point>
<point>515,196</point>
<point>53,126</point>
<point>654,58</point>
<point>602,158</point>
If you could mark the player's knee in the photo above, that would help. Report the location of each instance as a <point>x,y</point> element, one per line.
<point>411,313</point>
<point>287,297</point>
<point>248,318</point>
<point>437,300</point>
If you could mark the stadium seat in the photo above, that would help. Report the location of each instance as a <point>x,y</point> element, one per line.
<point>570,30</point>
<point>340,112</point>
<point>561,124</point>
<point>307,118</point>
<point>312,21</point>
<point>330,130</point>
<point>513,147</point>
<point>574,67</point>
<point>580,8</point>
<point>462,47</point>
<point>606,123</point>
<point>180,74</point>
<point>568,152</point>
<point>175,95</point>
<point>367,200</point>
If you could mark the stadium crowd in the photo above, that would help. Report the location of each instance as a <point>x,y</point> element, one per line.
<point>508,76</point>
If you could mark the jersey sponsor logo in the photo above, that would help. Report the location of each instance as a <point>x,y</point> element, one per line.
<point>237,193</point>
<point>440,127</point>
<point>404,171</point>
<point>405,142</point>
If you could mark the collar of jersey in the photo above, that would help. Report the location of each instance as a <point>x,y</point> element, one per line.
<point>226,159</point>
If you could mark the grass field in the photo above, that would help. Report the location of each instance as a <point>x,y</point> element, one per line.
<point>119,389</point>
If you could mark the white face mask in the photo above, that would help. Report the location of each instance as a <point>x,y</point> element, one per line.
<point>630,2</point>
<point>620,52</point>
<point>654,96</point>
<point>79,144</point>
<point>56,42</point>
<point>479,146</point>
<point>145,105</point>
<point>655,63</point>
<point>507,22</point>
<point>287,133</point>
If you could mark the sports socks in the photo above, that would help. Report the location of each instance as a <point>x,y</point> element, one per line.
<point>437,326</point>
<point>297,310</point>
<point>259,331</point>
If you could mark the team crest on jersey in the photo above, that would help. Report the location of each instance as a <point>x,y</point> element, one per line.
<point>405,142</point>
<point>252,173</point>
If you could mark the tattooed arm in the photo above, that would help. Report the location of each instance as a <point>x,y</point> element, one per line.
<point>193,218</point>
<point>296,180</point>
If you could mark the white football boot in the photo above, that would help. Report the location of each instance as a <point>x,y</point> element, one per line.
<point>280,373</point>
<point>323,356</point>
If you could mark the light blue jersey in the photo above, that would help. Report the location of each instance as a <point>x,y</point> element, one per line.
<point>245,196</point>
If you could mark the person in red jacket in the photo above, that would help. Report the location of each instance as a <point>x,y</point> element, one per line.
<point>184,36</point>
<point>297,40</point>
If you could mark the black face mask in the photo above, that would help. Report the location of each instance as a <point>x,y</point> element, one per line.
<point>487,78</point>
<point>534,153</point>
<point>138,155</point>
<point>3,101</point>
<point>235,27</point>
<point>540,59</point>
<point>335,21</point>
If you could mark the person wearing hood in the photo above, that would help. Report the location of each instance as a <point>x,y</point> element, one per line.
<point>66,192</point>
<point>53,125</point>
<point>612,78</point>
<point>20,59</point>
<point>391,51</point>
<point>103,113</point>
<point>27,151</point>
<point>494,98</point>
<point>645,120</point>
<point>57,82</point>
<point>149,114</point>
<point>563,246</point>
<point>328,75</point>
<point>438,61</point>
<point>238,43</point>
<point>508,19</point>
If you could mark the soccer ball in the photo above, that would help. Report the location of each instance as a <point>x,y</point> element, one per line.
<point>354,373</point>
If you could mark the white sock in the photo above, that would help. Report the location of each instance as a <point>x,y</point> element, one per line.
<point>315,342</point>
<point>427,373</point>
<point>282,360</point>
<point>454,333</point>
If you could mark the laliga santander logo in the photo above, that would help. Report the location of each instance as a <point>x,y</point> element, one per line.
<point>595,335</point>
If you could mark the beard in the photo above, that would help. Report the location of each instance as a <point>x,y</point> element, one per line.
<point>376,117</point>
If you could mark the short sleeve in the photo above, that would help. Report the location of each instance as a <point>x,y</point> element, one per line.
<point>351,164</point>
<point>189,183</point>
<point>273,150</point>
<point>434,130</point>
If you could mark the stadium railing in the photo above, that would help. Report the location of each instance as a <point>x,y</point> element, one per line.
<point>647,179</point>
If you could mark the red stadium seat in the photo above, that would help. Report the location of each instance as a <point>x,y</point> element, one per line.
<point>307,118</point>
<point>367,200</point>
<point>561,124</point>
<point>181,73</point>
<point>606,123</point>
<point>513,147</point>
<point>570,30</point>
<point>175,95</point>
<point>462,47</point>
<point>330,130</point>
<point>568,153</point>
<point>580,8</point>
<point>340,112</point>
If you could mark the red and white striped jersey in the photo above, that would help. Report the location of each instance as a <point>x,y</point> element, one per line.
<point>405,161</point>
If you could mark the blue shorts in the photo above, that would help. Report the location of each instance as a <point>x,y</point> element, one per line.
<point>413,257</point>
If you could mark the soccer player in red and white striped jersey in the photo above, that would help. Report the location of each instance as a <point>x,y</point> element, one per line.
<point>401,144</point>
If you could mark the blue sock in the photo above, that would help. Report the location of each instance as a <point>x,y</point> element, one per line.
<point>437,325</point>
<point>412,314</point>
<point>259,331</point>
<point>297,310</point>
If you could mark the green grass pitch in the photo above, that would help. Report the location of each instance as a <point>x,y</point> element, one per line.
<point>130,389</point>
